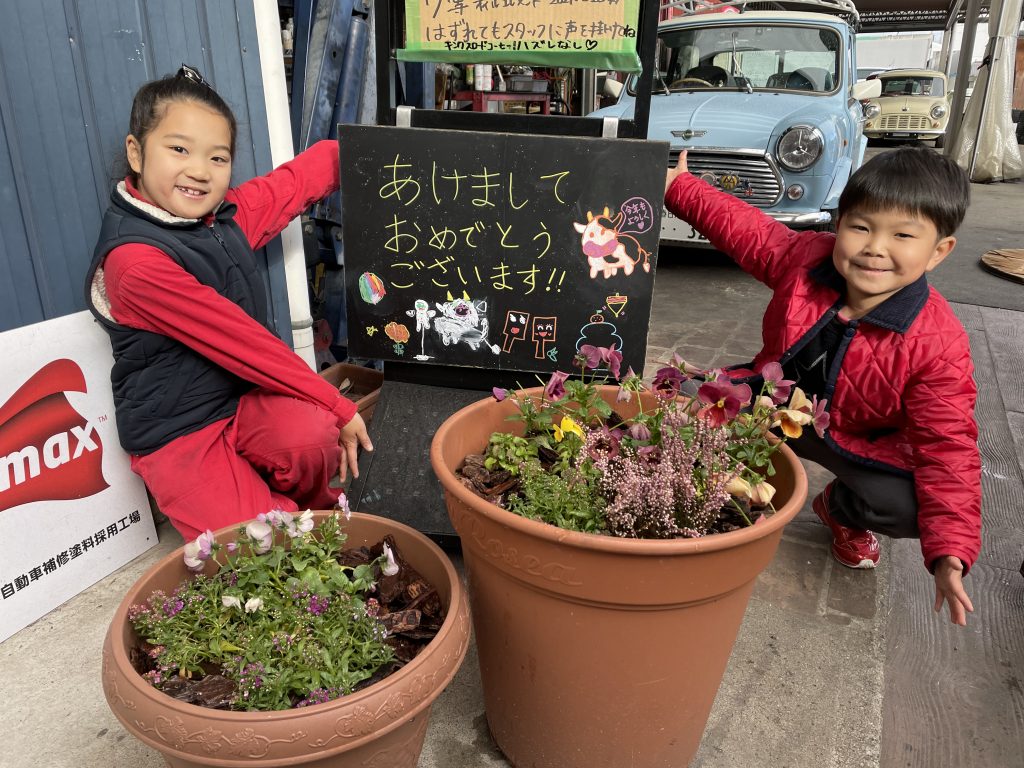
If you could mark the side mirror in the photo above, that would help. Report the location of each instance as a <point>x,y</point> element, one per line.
<point>868,89</point>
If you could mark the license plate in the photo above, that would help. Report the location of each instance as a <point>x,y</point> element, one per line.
<point>900,135</point>
<point>676,230</point>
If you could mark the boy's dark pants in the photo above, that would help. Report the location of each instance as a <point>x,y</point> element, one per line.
<point>863,497</point>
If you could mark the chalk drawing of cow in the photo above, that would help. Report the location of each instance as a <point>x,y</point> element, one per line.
<point>604,245</point>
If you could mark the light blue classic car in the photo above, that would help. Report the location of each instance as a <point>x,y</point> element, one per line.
<point>766,103</point>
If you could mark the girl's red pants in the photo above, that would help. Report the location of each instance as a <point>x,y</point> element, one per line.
<point>276,452</point>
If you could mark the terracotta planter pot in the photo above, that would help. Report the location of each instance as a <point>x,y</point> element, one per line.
<point>381,726</point>
<point>365,387</point>
<point>599,652</point>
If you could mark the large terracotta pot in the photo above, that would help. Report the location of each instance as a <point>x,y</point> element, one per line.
<point>599,652</point>
<point>381,726</point>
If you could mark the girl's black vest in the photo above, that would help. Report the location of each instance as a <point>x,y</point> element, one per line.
<point>162,389</point>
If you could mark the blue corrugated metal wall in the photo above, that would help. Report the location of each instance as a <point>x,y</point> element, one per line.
<point>68,71</point>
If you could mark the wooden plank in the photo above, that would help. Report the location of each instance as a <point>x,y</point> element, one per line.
<point>1005,331</point>
<point>953,695</point>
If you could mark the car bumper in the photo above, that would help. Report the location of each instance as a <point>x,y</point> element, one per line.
<point>678,232</point>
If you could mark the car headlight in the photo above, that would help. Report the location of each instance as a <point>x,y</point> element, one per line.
<point>872,110</point>
<point>800,147</point>
<point>938,111</point>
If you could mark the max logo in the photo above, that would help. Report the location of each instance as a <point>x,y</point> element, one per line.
<point>47,449</point>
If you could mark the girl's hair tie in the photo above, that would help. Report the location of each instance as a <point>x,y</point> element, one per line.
<point>192,74</point>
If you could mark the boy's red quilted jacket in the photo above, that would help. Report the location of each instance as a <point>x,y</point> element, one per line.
<point>904,396</point>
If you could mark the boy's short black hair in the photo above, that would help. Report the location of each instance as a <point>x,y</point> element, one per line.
<point>918,180</point>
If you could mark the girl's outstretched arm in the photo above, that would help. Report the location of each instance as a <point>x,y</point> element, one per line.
<point>150,292</point>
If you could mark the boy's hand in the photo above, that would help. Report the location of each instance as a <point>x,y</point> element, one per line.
<point>674,172</point>
<point>949,588</point>
<point>353,435</point>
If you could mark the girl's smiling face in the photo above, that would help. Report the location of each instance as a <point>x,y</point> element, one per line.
<point>183,165</point>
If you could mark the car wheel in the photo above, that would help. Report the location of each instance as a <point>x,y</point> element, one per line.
<point>940,142</point>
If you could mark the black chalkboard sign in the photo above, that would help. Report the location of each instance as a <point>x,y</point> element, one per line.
<point>495,250</point>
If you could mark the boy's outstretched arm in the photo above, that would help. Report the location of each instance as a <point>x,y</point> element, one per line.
<point>674,172</point>
<point>949,588</point>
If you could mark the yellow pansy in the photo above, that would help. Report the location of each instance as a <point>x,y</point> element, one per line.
<point>567,426</point>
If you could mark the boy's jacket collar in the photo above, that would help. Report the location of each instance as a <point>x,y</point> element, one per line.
<point>896,313</point>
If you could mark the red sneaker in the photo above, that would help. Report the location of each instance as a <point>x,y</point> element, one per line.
<point>853,547</point>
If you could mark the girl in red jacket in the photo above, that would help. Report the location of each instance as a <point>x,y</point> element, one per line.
<point>853,320</point>
<point>222,420</point>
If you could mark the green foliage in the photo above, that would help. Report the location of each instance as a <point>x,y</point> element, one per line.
<point>570,500</point>
<point>507,451</point>
<point>286,625</point>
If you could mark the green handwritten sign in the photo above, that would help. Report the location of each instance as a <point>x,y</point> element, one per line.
<point>497,250</point>
<point>555,33</point>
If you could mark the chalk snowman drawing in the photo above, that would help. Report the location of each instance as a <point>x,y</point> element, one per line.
<point>604,238</point>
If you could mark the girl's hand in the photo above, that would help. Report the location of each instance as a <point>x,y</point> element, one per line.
<point>353,436</point>
<point>949,588</point>
<point>673,173</point>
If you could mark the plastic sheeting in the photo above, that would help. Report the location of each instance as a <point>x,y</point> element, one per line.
<point>986,145</point>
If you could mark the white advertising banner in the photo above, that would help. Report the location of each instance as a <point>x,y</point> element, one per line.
<point>71,509</point>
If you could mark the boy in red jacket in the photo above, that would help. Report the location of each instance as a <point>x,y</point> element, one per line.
<point>853,320</point>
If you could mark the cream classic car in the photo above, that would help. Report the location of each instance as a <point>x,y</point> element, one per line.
<point>914,105</point>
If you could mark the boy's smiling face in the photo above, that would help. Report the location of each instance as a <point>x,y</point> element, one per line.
<point>880,252</point>
<point>184,164</point>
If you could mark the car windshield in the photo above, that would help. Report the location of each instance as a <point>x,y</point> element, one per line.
<point>913,85</point>
<point>784,57</point>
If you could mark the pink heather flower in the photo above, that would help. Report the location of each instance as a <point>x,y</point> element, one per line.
<point>778,387</point>
<point>262,535</point>
<point>722,400</point>
<point>667,382</point>
<point>498,393</point>
<point>555,389</point>
<point>592,356</point>
<point>820,415</point>
<point>390,568</point>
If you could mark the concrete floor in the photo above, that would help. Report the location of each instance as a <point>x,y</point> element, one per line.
<point>832,667</point>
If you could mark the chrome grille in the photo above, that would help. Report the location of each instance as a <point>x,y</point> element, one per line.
<point>904,123</point>
<point>753,171</point>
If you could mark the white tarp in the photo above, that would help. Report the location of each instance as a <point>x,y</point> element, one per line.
<point>987,136</point>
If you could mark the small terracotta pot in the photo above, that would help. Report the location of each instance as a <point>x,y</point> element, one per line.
<point>381,726</point>
<point>599,652</point>
<point>365,389</point>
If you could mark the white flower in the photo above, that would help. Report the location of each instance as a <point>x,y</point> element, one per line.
<point>738,487</point>
<point>230,601</point>
<point>199,551</point>
<point>305,523</point>
<point>262,535</point>
<point>253,604</point>
<point>193,561</point>
<point>762,493</point>
<point>390,568</point>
